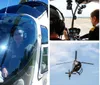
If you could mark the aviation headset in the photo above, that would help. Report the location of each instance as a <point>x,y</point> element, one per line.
<point>57,24</point>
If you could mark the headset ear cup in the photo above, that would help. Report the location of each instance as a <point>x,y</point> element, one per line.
<point>61,26</point>
<point>52,27</point>
<point>57,26</point>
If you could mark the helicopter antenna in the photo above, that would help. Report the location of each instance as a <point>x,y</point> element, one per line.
<point>7,6</point>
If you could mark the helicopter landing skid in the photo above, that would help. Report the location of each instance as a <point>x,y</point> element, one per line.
<point>80,71</point>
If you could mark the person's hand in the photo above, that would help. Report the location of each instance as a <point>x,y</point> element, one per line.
<point>65,35</point>
<point>4,72</point>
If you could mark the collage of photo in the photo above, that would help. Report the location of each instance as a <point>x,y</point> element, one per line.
<point>74,42</point>
<point>49,42</point>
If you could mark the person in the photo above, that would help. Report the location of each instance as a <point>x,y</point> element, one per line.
<point>65,33</point>
<point>55,31</point>
<point>57,24</point>
<point>94,31</point>
<point>18,37</point>
<point>15,54</point>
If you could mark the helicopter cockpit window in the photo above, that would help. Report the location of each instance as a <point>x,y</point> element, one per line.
<point>44,60</point>
<point>18,38</point>
<point>32,11</point>
<point>44,33</point>
<point>40,8</point>
<point>44,66</point>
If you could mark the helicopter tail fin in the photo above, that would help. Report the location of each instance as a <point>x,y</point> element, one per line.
<point>68,73</point>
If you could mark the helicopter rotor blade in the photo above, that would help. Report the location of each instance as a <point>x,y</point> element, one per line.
<point>75,55</point>
<point>64,63</point>
<point>87,63</point>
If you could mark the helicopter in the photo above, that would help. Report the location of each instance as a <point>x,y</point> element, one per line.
<point>27,19</point>
<point>76,67</point>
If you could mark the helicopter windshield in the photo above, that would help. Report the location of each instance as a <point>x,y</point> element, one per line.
<point>18,41</point>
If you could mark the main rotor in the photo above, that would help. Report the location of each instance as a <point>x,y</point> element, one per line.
<point>75,60</point>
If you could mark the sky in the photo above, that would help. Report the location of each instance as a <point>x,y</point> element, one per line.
<point>61,5</point>
<point>65,52</point>
<point>5,3</point>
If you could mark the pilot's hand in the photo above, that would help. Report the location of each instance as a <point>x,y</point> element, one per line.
<point>4,72</point>
<point>65,33</point>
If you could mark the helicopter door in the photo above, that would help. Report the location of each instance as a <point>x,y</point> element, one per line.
<point>43,65</point>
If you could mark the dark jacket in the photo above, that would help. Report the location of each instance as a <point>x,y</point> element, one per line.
<point>94,35</point>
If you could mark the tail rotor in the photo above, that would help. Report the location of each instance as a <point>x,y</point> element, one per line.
<point>69,73</point>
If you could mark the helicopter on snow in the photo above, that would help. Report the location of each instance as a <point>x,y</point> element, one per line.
<point>24,62</point>
<point>76,67</point>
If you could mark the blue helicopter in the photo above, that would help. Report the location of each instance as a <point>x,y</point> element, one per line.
<point>24,44</point>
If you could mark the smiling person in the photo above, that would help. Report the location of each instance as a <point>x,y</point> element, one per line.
<point>14,55</point>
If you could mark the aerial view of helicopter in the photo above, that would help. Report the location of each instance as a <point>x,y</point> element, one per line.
<point>76,67</point>
<point>24,44</point>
